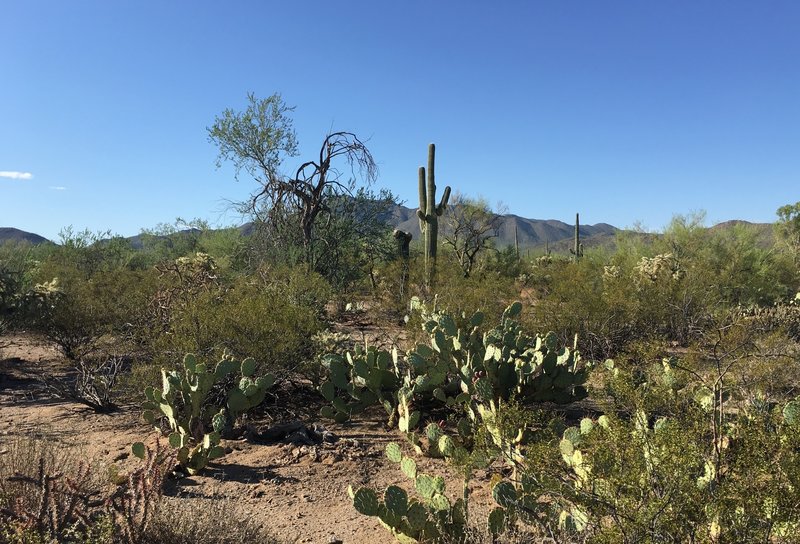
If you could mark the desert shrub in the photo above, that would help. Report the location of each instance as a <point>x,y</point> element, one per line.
<point>45,492</point>
<point>270,317</point>
<point>738,264</point>
<point>611,303</point>
<point>89,252</point>
<point>506,262</point>
<point>91,382</point>
<point>18,265</point>
<point>579,298</point>
<point>76,311</point>
<point>167,242</point>
<point>486,291</point>
<point>671,288</point>
<point>393,279</point>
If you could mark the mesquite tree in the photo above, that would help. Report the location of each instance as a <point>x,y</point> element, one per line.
<point>258,139</point>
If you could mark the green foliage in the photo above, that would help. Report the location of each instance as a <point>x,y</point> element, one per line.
<point>506,263</point>
<point>90,252</point>
<point>76,312</point>
<point>670,460</point>
<point>468,230</point>
<point>256,140</point>
<point>353,240</point>
<point>271,317</point>
<point>17,264</point>
<point>669,289</point>
<point>168,242</point>
<point>488,291</point>
<point>787,228</point>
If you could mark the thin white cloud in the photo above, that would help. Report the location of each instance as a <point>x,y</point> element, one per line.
<point>15,175</point>
<point>57,188</point>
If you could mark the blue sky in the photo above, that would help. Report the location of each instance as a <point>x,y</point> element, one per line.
<point>624,111</point>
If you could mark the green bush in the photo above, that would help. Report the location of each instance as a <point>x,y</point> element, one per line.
<point>488,292</point>
<point>271,318</point>
<point>76,311</point>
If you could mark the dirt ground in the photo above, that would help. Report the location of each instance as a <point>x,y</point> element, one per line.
<point>299,493</point>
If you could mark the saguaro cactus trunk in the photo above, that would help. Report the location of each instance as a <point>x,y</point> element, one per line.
<point>577,249</point>
<point>429,213</point>
<point>403,242</point>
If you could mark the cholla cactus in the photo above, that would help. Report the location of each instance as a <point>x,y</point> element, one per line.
<point>197,271</point>
<point>659,266</point>
<point>48,288</point>
<point>611,272</point>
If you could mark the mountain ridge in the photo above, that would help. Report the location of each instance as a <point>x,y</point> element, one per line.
<point>530,233</point>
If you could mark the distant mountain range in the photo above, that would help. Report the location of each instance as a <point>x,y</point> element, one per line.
<point>530,233</point>
<point>533,234</point>
<point>10,234</point>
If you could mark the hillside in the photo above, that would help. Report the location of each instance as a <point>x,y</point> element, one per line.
<point>10,234</point>
<point>531,233</point>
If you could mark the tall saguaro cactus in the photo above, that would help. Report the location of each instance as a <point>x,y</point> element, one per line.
<point>429,213</point>
<point>577,249</point>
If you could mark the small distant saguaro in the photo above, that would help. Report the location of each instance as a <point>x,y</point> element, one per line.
<point>577,246</point>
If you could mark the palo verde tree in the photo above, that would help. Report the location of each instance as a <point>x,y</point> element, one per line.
<point>788,227</point>
<point>469,228</point>
<point>259,139</point>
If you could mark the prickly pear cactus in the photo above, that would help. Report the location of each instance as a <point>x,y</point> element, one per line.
<point>429,518</point>
<point>195,424</point>
<point>461,366</point>
<point>356,380</point>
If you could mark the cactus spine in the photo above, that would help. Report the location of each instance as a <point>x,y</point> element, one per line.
<point>429,213</point>
<point>577,249</point>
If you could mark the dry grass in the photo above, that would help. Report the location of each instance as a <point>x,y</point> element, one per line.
<point>50,493</point>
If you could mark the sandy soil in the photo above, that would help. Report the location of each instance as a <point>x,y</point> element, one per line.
<point>298,492</point>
